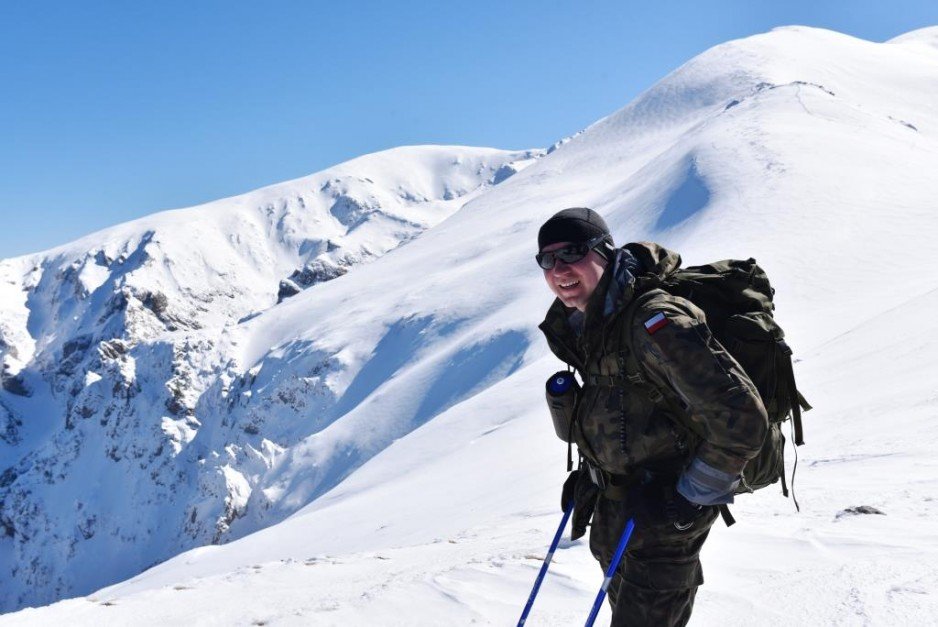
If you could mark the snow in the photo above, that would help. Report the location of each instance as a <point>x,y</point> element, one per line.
<point>154,307</point>
<point>91,378</point>
<point>926,37</point>
<point>402,469</point>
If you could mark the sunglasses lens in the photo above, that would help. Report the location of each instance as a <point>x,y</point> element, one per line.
<point>545,260</point>
<point>569,254</point>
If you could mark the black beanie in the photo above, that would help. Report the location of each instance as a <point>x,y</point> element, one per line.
<point>575,225</point>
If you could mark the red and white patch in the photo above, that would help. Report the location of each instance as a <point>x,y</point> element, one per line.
<point>656,323</point>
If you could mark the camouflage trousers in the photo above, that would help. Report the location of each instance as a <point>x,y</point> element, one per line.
<point>657,579</point>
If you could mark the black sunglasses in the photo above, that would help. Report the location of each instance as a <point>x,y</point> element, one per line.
<point>568,254</point>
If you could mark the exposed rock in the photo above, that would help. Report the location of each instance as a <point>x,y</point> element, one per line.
<point>158,304</point>
<point>15,385</point>
<point>73,354</point>
<point>7,477</point>
<point>9,428</point>
<point>351,212</point>
<point>566,140</point>
<point>503,173</point>
<point>287,289</point>
<point>101,259</point>
<point>112,349</point>
<point>858,510</point>
<point>155,302</point>
<point>7,349</point>
<point>317,271</point>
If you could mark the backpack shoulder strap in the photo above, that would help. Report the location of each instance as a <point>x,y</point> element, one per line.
<point>635,372</point>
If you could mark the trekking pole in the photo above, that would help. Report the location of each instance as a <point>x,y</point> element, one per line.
<point>623,542</point>
<point>546,564</point>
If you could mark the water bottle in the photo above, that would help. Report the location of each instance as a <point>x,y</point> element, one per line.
<point>562,393</point>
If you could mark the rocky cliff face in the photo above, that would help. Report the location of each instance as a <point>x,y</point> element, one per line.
<point>131,425</point>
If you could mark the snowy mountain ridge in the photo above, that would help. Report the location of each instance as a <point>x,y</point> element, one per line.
<point>399,432</point>
<point>124,331</point>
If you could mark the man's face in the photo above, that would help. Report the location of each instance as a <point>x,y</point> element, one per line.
<point>573,283</point>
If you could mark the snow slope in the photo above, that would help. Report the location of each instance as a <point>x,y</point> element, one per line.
<point>119,351</point>
<point>421,482</point>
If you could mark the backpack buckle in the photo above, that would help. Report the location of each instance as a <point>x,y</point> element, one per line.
<point>635,378</point>
<point>596,476</point>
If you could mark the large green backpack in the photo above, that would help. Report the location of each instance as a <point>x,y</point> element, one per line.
<point>737,299</point>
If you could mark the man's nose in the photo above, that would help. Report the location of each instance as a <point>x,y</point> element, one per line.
<point>560,264</point>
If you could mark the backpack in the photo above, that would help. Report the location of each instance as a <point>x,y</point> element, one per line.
<point>737,299</point>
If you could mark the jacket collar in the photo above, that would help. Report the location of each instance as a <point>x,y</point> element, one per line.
<point>570,332</point>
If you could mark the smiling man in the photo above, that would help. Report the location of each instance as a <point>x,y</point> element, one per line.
<point>573,283</point>
<point>667,465</point>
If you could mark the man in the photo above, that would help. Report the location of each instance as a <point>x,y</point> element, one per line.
<point>664,445</point>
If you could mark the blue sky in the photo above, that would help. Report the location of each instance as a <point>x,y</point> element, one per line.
<point>113,110</point>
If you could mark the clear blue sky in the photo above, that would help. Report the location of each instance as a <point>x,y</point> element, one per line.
<point>113,110</point>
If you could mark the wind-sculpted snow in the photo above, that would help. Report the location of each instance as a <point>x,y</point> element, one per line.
<point>408,380</point>
<point>689,195</point>
<point>395,412</point>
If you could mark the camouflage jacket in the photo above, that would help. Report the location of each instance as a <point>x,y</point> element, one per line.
<point>618,426</point>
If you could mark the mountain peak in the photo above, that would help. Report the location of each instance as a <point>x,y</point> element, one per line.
<point>925,37</point>
<point>377,408</point>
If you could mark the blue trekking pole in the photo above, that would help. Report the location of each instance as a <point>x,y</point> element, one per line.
<point>623,542</point>
<point>546,564</point>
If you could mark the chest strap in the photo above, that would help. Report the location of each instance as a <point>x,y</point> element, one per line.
<point>603,380</point>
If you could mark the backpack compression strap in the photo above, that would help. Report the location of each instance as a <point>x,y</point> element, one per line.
<point>798,402</point>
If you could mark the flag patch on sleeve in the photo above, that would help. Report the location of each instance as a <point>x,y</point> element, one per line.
<point>656,323</point>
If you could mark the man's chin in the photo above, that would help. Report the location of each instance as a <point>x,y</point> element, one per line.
<point>575,303</point>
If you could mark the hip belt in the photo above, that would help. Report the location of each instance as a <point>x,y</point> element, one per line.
<point>613,486</point>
